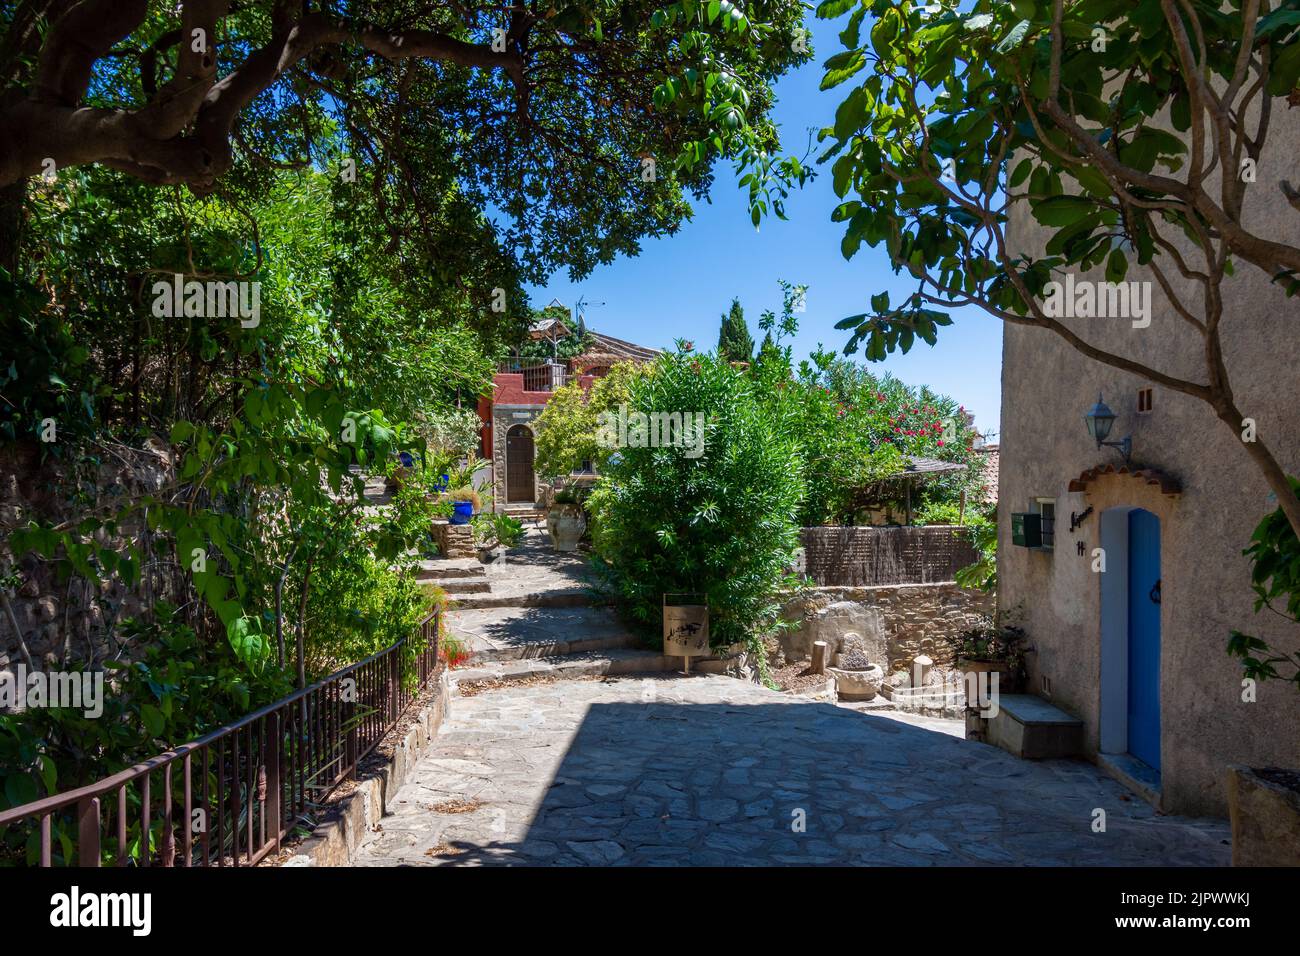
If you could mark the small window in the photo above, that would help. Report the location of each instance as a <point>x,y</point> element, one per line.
<point>1046,508</point>
<point>1145,397</point>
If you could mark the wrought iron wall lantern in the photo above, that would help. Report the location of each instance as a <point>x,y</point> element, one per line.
<point>1099,420</point>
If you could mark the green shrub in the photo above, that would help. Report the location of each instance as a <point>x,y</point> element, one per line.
<point>723,523</point>
<point>493,528</point>
<point>177,689</point>
<point>1275,577</point>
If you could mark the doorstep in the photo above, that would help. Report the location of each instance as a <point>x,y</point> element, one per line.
<point>1134,774</point>
<point>1030,727</point>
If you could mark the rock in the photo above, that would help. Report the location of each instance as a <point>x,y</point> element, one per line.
<point>597,852</point>
<point>834,624</point>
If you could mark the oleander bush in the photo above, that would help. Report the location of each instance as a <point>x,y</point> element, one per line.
<point>723,524</point>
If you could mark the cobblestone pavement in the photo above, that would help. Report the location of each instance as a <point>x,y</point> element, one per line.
<point>709,770</point>
<point>534,567</point>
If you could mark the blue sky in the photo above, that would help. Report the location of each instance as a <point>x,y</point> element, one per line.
<point>678,287</point>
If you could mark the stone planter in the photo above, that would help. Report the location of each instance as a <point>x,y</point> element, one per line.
<point>857,684</point>
<point>1264,805</point>
<point>565,524</point>
<point>1007,683</point>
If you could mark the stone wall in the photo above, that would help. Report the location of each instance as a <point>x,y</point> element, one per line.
<point>74,620</point>
<point>504,417</point>
<point>453,540</point>
<point>895,622</point>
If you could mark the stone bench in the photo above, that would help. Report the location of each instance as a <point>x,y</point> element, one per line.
<point>1029,726</point>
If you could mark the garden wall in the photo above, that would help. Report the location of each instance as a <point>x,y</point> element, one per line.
<point>870,556</point>
<point>897,622</point>
<point>74,620</point>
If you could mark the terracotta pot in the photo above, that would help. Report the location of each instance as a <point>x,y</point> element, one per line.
<point>565,524</point>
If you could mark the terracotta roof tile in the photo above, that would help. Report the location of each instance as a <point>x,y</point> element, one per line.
<point>1166,484</point>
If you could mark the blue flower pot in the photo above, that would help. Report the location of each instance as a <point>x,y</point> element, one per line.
<point>462,512</point>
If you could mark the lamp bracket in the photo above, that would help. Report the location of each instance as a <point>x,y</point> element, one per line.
<point>1077,518</point>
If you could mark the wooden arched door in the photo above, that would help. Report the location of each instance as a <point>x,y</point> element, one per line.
<point>519,464</point>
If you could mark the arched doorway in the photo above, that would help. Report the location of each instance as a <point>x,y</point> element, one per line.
<point>1130,635</point>
<point>520,485</point>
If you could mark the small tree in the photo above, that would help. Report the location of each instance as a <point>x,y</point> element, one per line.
<point>567,428</point>
<point>721,522</point>
<point>735,344</point>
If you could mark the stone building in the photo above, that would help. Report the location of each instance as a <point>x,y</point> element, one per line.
<point>520,390</point>
<point>1137,652</point>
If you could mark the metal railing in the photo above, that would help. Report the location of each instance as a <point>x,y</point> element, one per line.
<point>538,376</point>
<point>230,797</point>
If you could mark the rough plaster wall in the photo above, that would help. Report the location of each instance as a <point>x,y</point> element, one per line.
<point>1046,388</point>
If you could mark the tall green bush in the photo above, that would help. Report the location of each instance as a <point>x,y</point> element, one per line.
<point>722,523</point>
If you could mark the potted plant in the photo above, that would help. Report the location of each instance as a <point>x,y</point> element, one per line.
<point>493,533</point>
<point>566,521</point>
<point>465,504</point>
<point>992,647</point>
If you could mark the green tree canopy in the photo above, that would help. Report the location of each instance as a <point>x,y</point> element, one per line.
<point>586,124</point>
<point>1130,129</point>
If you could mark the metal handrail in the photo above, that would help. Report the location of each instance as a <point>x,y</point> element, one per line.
<point>319,734</point>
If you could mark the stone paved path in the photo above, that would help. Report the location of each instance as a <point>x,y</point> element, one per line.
<point>709,770</point>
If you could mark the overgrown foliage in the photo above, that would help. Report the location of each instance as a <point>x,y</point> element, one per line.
<point>568,428</point>
<point>722,524</point>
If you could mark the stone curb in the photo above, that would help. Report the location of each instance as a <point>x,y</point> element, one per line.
<point>335,842</point>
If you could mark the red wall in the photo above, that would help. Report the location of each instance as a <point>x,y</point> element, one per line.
<point>508,389</point>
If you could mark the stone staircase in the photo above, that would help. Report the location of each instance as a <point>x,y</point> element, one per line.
<point>533,613</point>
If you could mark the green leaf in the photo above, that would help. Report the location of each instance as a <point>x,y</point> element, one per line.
<point>830,9</point>
<point>1116,266</point>
<point>20,788</point>
<point>154,722</point>
<point>1062,210</point>
<point>1013,39</point>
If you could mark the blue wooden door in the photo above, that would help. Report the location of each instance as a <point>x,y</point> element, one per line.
<point>1144,637</point>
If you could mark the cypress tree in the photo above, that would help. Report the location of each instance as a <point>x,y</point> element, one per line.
<point>734,341</point>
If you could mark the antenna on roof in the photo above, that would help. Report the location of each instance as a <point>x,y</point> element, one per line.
<point>580,308</point>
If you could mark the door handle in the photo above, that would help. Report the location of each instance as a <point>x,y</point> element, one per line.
<point>1155,592</point>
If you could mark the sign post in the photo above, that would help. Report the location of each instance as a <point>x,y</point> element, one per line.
<point>686,626</point>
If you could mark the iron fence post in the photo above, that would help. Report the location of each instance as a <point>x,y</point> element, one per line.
<point>271,761</point>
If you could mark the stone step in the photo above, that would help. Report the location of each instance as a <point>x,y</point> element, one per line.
<point>1029,726</point>
<point>607,663</point>
<point>455,587</point>
<point>443,569</point>
<point>557,648</point>
<point>565,597</point>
